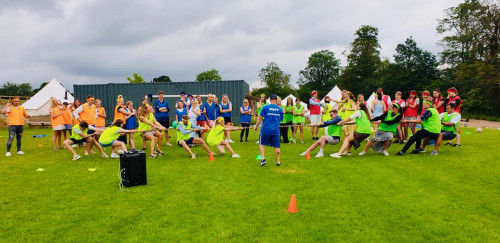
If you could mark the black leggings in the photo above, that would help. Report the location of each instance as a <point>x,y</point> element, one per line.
<point>284,131</point>
<point>246,128</point>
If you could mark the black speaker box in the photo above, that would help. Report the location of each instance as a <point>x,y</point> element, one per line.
<point>133,168</point>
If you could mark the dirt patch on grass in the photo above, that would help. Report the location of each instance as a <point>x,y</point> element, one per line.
<point>480,123</point>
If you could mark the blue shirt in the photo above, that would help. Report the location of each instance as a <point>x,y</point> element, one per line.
<point>211,115</point>
<point>180,114</point>
<point>202,116</point>
<point>272,114</point>
<point>225,107</point>
<point>245,118</point>
<point>131,122</point>
<point>159,114</point>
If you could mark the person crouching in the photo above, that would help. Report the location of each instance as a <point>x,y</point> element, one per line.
<point>185,136</point>
<point>110,138</point>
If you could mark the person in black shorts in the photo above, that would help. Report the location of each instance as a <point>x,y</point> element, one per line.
<point>161,114</point>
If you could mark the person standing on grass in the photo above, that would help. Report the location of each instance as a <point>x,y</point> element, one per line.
<point>298,120</point>
<point>67,118</point>
<point>326,112</point>
<point>161,114</point>
<point>332,137</point>
<point>288,113</point>
<point>57,120</point>
<point>401,103</point>
<point>382,138</point>
<point>130,122</point>
<point>110,135</point>
<point>410,114</point>
<point>225,109</point>
<point>245,119</point>
<point>72,107</point>
<point>15,119</point>
<point>438,103</point>
<point>100,121</point>
<point>147,122</point>
<point>81,135</point>
<point>347,109</point>
<point>269,135</point>
<point>431,129</point>
<point>450,121</point>
<point>315,113</point>
<point>377,108</point>
<point>194,113</point>
<point>386,99</point>
<point>216,137</point>
<point>217,111</point>
<point>201,120</point>
<point>426,95</point>
<point>363,130</point>
<point>185,137</point>
<point>210,108</point>
<point>121,113</point>
<point>180,111</point>
<point>453,98</point>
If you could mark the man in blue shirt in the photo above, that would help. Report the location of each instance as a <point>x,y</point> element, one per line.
<point>270,133</point>
<point>161,114</point>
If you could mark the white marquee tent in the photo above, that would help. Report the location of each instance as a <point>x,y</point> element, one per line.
<point>283,101</point>
<point>334,94</point>
<point>39,104</point>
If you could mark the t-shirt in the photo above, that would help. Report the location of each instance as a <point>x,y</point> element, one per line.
<point>455,119</point>
<point>273,115</point>
<point>161,114</point>
<point>192,114</point>
<point>211,115</point>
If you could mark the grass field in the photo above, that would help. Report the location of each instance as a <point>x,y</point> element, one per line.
<point>454,196</point>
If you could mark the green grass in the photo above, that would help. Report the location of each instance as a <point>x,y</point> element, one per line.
<point>454,196</point>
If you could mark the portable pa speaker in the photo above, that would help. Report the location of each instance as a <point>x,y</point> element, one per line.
<point>133,168</point>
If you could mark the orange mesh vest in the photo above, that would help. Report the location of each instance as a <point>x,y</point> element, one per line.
<point>67,117</point>
<point>88,114</point>
<point>15,117</point>
<point>119,115</point>
<point>101,121</point>
<point>58,120</point>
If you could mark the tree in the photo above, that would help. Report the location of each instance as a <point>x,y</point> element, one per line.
<point>210,75</point>
<point>359,76</point>
<point>137,79</point>
<point>321,74</point>
<point>275,80</point>
<point>162,79</point>
<point>13,89</point>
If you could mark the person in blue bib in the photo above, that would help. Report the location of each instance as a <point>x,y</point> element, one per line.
<point>245,119</point>
<point>334,132</point>
<point>161,114</point>
<point>210,110</point>
<point>272,115</point>
<point>109,137</point>
<point>225,110</point>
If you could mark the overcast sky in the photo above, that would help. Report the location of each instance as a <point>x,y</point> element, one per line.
<point>104,41</point>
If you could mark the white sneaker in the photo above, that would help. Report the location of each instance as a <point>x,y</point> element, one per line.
<point>169,144</point>
<point>319,155</point>
<point>8,154</point>
<point>362,153</point>
<point>422,151</point>
<point>76,157</point>
<point>257,142</point>
<point>193,156</point>
<point>104,156</point>
<point>293,141</point>
<point>301,141</point>
<point>235,156</point>
<point>304,153</point>
<point>120,151</point>
<point>347,153</point>
<point>115,156</point>
<point>335,155</point>
<point>229,141</point>
<point>73,146</point>
<point>385,153</point>
<point>20,152</point>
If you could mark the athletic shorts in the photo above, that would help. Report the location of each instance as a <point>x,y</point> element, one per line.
<point>332,140</point>
<point>315,119</point>
<point>227,120</point>
<point>448,135</point>
<point>144,135</point>
<point>358,138</point>
<point>188,141</point>
<point>200,123</point>
<point>78,141</point>
<point>58,128</point>
<point>90,131</point>
<point>106,145</point>
<point>68,127</point>
<point>123,139</point>
<point>164,122</point>
<point>269,140</point>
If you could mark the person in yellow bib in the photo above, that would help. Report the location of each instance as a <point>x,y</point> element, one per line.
<point>363,130</point>
<point>431,129</point>
<point>15,118</point>
<point>332,137</point>
<point>185,137</point>
<point>216,136</point>
<point>147,122</point>
<point>80,135</point>
<point>382,138</point>
<point>110,135</point>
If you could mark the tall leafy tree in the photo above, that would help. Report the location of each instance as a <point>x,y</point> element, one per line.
<point>136,79</point>
<point>321,73</point>
<point>363,61</point>
<point>210,75</point>
<point>11,88</point>
<point>162,79</point>
<point>275,80</point>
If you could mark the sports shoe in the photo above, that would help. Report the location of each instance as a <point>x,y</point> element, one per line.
<point>115,156</point>
<point>257,142</point>
<point>434,153</point>
<point>120,151</point>
<point>302,141</point>
<point>448,143</point>
<point>304,153</point>
<point>456,145</point>
<point>415,151</point>
<point>143,149</point>
<point>20,152</point>
<point>169,144</point>
<point>8,154</point>
<point>402,142</point>
<point>104,156</point>
<point>347,153</point>
<point>193,156</point>
<point>159,152</point>
<point>262,162</point>
<point>278,164</point>
<point>152,157</point>
<point>319,155</point>
<point>229,141</point>
<point>293,141</point>
<point>335,155</point>
<point>385,152</point>
<point>362,153</point>
<point>422,151</point>
<point>76,157</point>
<point>400,153</point>
<point>241,140</point>
<point>235,156</point>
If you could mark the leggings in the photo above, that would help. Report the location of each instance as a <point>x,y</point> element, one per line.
<point>246,128</point>
<point>16,131</point>
<point>284,131</point>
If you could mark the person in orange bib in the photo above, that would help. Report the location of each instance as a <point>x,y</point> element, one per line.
<point>57,120</point>
<point>100,121</point>
<point>15,118</point>
<point>121,113</point>
<point>68,119</point>
<point>87,113</point>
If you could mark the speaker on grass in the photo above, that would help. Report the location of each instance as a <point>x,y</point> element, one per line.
<point>133,168</point>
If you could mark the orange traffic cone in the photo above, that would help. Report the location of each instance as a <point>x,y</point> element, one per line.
<point>211,158</point>
<point>292,207</point>
<point>308,155</point>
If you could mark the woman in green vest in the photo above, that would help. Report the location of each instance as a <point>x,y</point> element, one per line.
<point>332,137</point>
<point>363,130</point>
<point>298,120</point>
<point>78,136</point>
<point>288,117</point>
<point>186,137</point>
<point>147,124</point>
<point>110,135</point>
<point>382,138</point>
<point>216,136</point>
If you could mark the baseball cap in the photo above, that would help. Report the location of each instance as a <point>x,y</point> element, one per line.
<point>273,96</point>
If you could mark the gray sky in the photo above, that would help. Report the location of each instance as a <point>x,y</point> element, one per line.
<point>92,41</point>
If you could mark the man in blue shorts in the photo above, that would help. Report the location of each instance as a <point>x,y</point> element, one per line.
<point>270,133</point>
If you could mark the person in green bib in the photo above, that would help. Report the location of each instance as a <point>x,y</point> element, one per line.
<point>283,127</point>
<point>298,120</point>
<point>185,136</point>
<point>326,111</point>
<point>147,124</point>
<point>78,136</point>
<point>216,136</point>
<point>333,136</point>
<point>363,130</point>
<point>450,121</point>
<point>110,135</point>
<point>288,112</point>
<point>431,129</point>
<point>382,138</point>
